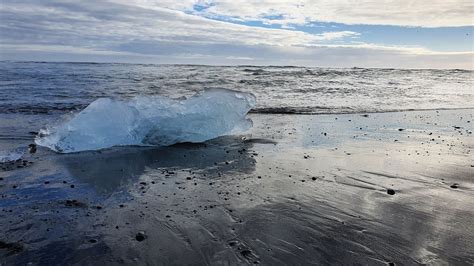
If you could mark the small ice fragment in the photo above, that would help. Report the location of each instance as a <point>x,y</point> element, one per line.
<point>11,156</point>
<point>152,120</point>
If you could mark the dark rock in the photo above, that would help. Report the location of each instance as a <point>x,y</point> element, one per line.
<point>390,191</point>
<point>454,186</point>
<point>12,248</point>
<point>75,203</point>
<point>140,236</point>
<point>246,252</point>
<point>314,178</point>
<point>32,148</point>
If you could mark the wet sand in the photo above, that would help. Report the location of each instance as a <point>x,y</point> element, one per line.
<point>297,189</point>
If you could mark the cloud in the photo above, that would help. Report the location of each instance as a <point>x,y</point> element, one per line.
<point>433,13</point>
<point>152,32</point>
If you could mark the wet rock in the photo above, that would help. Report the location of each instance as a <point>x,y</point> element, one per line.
<point>12,248</point>
<point>390,191</point>
<point>75,204</point>
<point>140,236</point>
<point>246,253</point>
<point>32,148</point>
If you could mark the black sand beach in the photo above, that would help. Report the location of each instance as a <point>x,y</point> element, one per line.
<point>381,188</point>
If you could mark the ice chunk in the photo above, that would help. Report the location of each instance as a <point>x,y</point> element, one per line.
<point>152,120</point>
<point>11,156</point>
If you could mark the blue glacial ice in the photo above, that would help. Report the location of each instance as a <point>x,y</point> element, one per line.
<point>154,120</point>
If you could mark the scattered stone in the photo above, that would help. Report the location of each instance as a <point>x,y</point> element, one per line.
<point>75,203</point>
<point>246,252</point>
<point>11,247</point>
<point>140,236</point>
<point>314,178</point>
<point>32,148</point>
<point>454,186</point>
<point>390,191</point>
<point>401,129</point>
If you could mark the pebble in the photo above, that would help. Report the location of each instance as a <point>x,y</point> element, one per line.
<point>140,236</point>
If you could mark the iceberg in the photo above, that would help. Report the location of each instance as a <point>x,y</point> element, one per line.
<point>151,121</point>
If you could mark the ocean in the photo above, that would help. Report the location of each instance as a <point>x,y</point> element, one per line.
<point>58,88</point>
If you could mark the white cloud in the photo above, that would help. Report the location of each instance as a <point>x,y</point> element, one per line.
<point>143,31</point>
<point>424,13</point>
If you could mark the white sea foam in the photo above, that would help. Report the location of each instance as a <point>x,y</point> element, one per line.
<point>13,155</point>
<point>152,121</point>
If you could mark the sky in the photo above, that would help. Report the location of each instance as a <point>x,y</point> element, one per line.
<point>326,33</point>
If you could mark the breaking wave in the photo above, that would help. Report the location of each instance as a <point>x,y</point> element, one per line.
<point>151,120</point>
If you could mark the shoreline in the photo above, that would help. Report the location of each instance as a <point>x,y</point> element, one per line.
<point>296,188</point>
